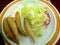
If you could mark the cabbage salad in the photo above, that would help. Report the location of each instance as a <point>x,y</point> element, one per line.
<point>36,16</point>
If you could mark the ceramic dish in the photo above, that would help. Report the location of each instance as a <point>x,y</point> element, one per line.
<point>50,34</point>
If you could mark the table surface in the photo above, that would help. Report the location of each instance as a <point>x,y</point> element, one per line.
<point>3,3</point>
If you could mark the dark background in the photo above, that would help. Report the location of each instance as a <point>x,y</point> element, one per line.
<point>3,3</point>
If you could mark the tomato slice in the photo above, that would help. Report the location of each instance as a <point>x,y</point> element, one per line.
<point>47,22</point>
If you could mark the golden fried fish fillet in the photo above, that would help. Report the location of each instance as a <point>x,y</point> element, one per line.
<point>12,24</point>
<point>8,32</point>
<point>18,22</point>
<point>29,30</point>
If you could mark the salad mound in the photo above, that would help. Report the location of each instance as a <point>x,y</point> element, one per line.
<point>37,17</point>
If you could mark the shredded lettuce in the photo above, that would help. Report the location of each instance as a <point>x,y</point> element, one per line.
<point>36,16</point>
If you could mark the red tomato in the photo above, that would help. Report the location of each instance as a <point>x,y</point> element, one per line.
<point>47,22</point>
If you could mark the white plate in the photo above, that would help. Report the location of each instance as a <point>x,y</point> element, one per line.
<point>48,33</point>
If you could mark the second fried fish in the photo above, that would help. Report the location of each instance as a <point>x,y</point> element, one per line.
<point>18,22</point>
